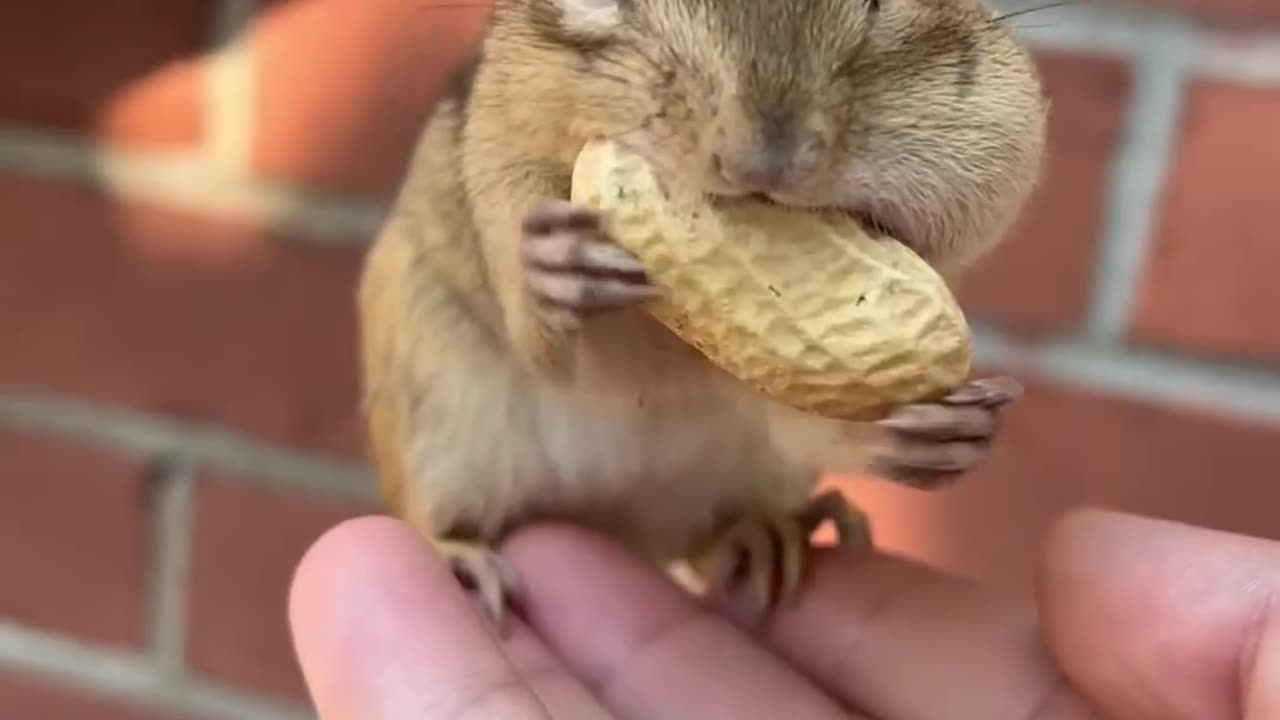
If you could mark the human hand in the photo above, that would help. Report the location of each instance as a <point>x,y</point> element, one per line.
<point>1137,620</point>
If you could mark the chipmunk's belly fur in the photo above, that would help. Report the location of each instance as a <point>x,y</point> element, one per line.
<point>656,455</point>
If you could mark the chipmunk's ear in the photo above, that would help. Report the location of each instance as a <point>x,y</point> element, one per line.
<point>591,18</point>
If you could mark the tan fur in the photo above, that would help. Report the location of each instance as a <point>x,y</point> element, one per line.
<point>482,416</point>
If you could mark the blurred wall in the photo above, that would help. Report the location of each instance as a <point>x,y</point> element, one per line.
<point>186,186</point>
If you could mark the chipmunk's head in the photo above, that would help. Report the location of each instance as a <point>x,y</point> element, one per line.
<point>922,117</point>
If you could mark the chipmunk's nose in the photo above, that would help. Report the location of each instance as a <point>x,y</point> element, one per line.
<point>752,171</point>
<point>760,159</point>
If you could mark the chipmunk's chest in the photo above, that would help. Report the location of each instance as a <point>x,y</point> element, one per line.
<point>655,442</point>
<point>657,473</point>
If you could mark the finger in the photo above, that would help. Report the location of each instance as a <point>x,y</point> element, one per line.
<point>556,214</point>
<point>901,641</point>
<point>383,632</point>
<point>644,645</point>
<point>563,696</point>
<point>580,291</point>
<point>940,422</point>
<point>563,252</point>
<point>1156,620</point>
<point>941,457</point>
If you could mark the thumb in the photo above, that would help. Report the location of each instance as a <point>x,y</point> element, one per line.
<point>1152,620</point>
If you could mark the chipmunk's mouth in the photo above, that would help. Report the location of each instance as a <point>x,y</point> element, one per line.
<point>868,220</point>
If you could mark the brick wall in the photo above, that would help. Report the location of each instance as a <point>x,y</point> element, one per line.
<point>186,185</point>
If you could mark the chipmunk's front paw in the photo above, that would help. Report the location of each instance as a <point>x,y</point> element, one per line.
<point>571,269</point>
<point>482,570</point>
<point>928,444</point>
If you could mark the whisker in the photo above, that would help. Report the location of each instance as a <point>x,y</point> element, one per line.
<point>1028,11</point>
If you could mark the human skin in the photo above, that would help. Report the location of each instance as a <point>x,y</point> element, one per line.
<point>1135,619</point>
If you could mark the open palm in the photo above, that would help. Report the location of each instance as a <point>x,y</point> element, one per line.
<point>1147,620</point>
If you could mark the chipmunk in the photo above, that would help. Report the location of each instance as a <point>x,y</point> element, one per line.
<point>511,372</point>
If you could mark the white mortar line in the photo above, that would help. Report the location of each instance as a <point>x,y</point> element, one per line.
<point>1159,47</point>
<point>1165,50</point>
<point>1243,393</point>
<point>185,181</point>
<point>1249,393</point>
<point>230,90</point>
<point>1246,58</point>
<point>132,678</point>
<point>170,560</point>
<point>1136,180</point>
<point>138,433</point>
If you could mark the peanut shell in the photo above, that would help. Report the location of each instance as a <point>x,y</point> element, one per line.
<point>804,306</point>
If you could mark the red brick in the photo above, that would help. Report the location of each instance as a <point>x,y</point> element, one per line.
<point>178,313</point>
<point>1210,287</point>
<point>345,85</point>
<point>124,67</point>
<point>1039,279</point>
<point>160,110</point>
<point>28,696</point>
<point>1231,13</point>
<point>246,544</point>
<point>73,525</point>
<point>1063,447</point>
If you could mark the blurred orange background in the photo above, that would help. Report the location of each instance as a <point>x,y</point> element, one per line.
<point>188,186</point>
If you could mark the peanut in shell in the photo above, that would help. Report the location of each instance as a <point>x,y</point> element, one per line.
<point>806,307</point>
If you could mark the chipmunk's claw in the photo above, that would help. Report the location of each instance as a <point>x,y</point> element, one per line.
<point>482,570</point>
<point>767,552</point>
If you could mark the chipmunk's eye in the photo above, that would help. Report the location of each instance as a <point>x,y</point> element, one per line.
<point>873,5</point>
